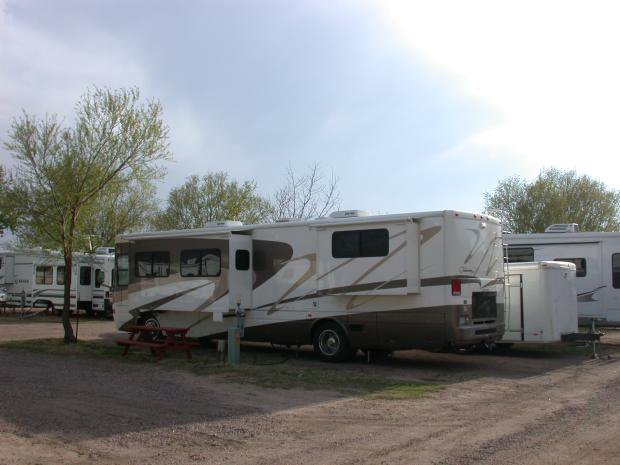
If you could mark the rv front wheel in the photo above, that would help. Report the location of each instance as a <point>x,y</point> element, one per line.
<point>330,343</point>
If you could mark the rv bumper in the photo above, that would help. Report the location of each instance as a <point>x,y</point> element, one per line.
<point>475,334</point>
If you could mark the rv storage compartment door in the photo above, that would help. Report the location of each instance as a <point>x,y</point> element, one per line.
<point>240,273</point>
<point>368,259</point>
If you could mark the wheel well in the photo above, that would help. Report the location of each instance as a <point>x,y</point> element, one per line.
<point>318,323</point>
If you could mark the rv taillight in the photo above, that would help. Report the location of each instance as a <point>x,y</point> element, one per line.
<point>456,287</point>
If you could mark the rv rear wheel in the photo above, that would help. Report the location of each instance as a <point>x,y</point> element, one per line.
<point>50,308</point>
<point>149,319</point>
<point>330,343</point>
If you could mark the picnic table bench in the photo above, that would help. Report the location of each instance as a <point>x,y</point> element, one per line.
<point>172,339</point>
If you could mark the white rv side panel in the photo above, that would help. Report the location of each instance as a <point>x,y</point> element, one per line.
<point>384,275</point>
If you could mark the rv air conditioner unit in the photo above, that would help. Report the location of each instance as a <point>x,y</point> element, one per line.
<point>349,214</point>
<point>223,224</point>
<point>562,228</point>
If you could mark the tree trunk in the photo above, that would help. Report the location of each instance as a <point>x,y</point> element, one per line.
<point>66,309</point>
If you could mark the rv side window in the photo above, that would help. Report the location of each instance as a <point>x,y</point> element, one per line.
<point>44,274</point>
<point>200,262</point>
<point>615,270</point>
<point>99,278</point>
<point>60,275</point>
<point>85,276</point>
<point>152,264</point>
<point>580,264</point>
<point>520,254</point>
<point>122,269</point>
<point>242,260</point>
<point>362,243</point>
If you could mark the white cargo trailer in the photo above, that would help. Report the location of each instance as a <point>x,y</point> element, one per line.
<point>541,302</point>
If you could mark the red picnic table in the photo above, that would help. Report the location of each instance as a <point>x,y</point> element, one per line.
<point>173,339</point>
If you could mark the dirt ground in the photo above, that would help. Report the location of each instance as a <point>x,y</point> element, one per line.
<point>519,407</point>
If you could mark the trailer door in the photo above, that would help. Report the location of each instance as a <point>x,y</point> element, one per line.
<point>85,286</point>
<point>514,308</point>
<point>240,272</point>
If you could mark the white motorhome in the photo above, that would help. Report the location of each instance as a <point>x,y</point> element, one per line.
<point>416,280</point>
<point>35,278</point>
<point>541,302</point>
<point>596,256</point>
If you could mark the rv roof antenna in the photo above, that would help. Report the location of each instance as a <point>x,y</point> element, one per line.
<point>562,228</point>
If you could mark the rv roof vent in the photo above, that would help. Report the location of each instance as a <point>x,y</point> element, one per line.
<point>104,250</point>
<point>223,224</point>
<point>349,214</point>
<point>562,228</point>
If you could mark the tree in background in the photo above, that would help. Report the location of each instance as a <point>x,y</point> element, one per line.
<point>62,171</point>
<point>212,197</point>
<point>7,216</point>
<point>310,195</point>
<point>555,196</point>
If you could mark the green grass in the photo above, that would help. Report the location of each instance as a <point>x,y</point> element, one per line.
<point>275,370</point>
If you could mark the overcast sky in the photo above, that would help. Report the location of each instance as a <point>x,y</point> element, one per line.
<point>413,106</point>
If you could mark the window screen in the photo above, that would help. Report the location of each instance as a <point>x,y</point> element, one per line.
<point>615,270</point>
<point>200,262</point>
<point>44,274</point>
<point>361,243</point>
<point>520,254</point>
<point>152,264</point>
<point>580,264</point>
<point>99,278</point>
<point>242,260</point>
<point>85,275</point>
<point>122,269</point>
<point>60,275</point>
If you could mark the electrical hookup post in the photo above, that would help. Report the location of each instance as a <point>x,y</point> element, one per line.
<point>235,333</point>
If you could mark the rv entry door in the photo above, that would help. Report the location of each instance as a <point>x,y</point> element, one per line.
<point>240,272</point>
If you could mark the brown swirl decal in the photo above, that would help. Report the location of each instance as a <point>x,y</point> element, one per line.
<point>311,271</point>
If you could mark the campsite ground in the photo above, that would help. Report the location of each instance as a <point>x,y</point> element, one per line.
<point>533,405</point>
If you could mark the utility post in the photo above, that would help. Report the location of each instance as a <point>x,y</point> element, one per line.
<point>235,333</point>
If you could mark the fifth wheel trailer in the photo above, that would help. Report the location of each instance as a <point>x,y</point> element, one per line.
<point>415,280</point>
<point>597,259</point>
<point>541,302</point>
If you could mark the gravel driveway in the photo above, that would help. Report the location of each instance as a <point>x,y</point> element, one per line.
<point>497,409</point>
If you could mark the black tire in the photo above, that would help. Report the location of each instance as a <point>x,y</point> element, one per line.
<point>331,343</point>
<point>50,308</point>
<point>149,319</point>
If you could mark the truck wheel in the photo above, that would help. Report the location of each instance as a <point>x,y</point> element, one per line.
<point>330,343</point>
<point>50,308</point>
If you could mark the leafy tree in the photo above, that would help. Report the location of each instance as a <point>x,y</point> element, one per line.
<point>309,195</point>
<point>126,205</point>
<point>212,197</point>
<point>555,196</point>
<point>62,171</point>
